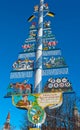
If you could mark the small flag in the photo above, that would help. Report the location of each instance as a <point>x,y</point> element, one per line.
<point>31,18</point>
<point>51,14</point>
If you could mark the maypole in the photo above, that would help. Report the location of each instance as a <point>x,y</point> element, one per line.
<point>38,69</point>
<point>39,58</point>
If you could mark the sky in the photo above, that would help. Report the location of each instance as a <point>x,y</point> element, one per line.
<point>13,32</point>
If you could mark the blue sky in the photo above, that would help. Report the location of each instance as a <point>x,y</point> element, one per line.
<point>14,31</point>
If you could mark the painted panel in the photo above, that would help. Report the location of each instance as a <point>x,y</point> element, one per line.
<point>58,84</point>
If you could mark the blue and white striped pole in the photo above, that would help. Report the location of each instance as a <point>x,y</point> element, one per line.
<point>38,69</point>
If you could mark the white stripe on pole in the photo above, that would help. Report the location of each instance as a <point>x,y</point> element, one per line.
<point>38,68</point>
